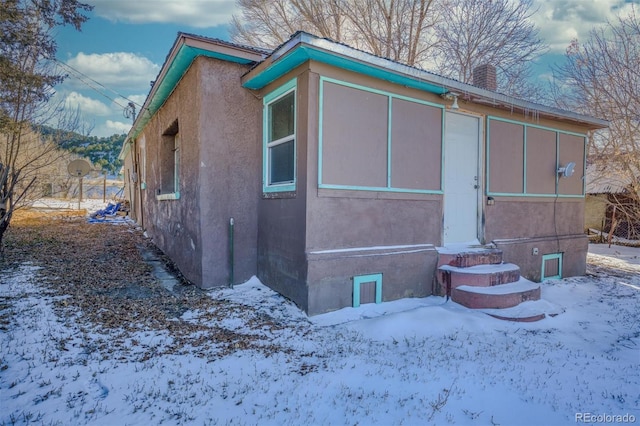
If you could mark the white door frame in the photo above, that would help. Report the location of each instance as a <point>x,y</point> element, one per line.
<point>479,174</point>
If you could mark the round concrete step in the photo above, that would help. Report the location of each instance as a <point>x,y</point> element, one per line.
<point>483,275</point>
<point>496,297</point>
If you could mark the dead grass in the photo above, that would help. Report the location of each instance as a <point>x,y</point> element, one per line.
<point>101,271</point>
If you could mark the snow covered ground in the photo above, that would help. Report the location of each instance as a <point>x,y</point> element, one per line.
<point>414,361</point>
<point>90,204</point>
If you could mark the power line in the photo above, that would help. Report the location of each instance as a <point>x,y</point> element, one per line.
<point>95,89</point>
<point>79,75</point>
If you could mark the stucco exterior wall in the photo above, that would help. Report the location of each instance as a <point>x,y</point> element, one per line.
<point>219,174</point>
<point>518,226</point>
<point>354,232</point>
<point>174,225</point>
<point>281,216</point>
<point>573,248</point>
<point>230,135</point>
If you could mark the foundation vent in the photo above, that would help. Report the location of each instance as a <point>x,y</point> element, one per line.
<point>367,289</point>
<point>551,267</point>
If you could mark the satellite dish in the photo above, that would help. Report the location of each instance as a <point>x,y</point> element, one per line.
<point>567,171</point>
<point>79,168</point>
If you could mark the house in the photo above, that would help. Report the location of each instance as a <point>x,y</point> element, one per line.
<point>340,178</point>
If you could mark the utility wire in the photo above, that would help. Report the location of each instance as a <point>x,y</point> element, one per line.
<point>82,76</point>
<point>97,90</point>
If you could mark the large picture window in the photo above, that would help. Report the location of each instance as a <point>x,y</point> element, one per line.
<point>280,139</point>
<point>523,159</point>
<point>372,140</point>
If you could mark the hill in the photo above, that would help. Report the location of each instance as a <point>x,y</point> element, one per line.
<point>101,151</point>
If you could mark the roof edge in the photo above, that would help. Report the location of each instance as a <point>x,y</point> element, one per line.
<point>184,50</point>
<point>424,80</point>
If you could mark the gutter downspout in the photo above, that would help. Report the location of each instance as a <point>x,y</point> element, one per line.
<point>231,251</point>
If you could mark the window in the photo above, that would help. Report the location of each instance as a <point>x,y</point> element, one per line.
<point>279,150</point>
<point>142,161</point>
<point>371,140</point>
<point>170,164</point>
<point>522,160</point>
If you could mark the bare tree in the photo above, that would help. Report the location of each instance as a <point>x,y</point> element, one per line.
<point>449,37</point>
<point>601,77</point>
<point>269,23</point>
<point>402,30</point>
<point>264,23</point>
<point>496,32</point>
<point>27,49</point>
<point>42,165</point>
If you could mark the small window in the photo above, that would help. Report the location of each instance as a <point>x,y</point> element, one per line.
<point>143,163</point>
<point>170,164</point>
<point>280,139</point>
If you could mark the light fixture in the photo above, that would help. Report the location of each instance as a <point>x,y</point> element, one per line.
<point>567,171</point>
<point>451,96</point>
<point>454,105</point>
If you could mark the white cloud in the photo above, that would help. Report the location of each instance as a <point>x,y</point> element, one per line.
<point>87,106</point>
<point>560,21</point>
<point>195,13</point>
<point>113,127</point>
<point>114,70</point>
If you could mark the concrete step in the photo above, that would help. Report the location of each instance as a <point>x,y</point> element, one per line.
<point>498,296</point>
<point>529,311</point>
<point>462,256</point>
<point>468,257</point>
<point>483,275</point>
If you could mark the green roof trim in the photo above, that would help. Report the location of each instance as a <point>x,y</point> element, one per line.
<point>302,53</point>
<point>176,69</point>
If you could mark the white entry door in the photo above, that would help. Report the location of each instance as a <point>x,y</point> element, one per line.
<point>461,177</point>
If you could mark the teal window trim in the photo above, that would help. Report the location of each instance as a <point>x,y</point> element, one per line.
<point>390,97</point>
<point>389,132</point>
<point>176,163</point>
<point>524,159</point>
<point>285,89</point>
<point>361,279</point>
<point>378,91</point>
<point>442,153</point>
<point>514,194</point>
<point>379,189</point>
<point>551,256</point>
<point>176,148</point>
<point>171,196</point>
<point>488,155</point>
<point>584,161</point>
<point>320,133</point>
<point>537,126</point>
<point>557,162</point>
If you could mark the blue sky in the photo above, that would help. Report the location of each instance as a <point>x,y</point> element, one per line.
<point>125,42</point>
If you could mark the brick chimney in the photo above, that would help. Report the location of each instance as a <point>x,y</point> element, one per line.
<point>484,76</point>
